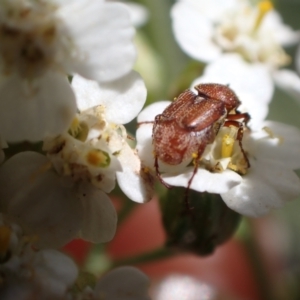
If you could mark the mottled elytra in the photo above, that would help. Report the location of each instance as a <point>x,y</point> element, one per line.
<point>192,122</point>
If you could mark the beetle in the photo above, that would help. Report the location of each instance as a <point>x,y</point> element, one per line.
<point>184,129</point>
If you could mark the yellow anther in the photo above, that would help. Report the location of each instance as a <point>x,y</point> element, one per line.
<point>145,169</point>
<point>227,145</point>
<point>263,8</point>
<point>272,135</point>
<point>98,158</point>
<point>75,126</point>
<point>194,155</point>
<point>5,233</point>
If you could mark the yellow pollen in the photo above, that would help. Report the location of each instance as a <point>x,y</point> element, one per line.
<point>194,155</point>
<point>227,145</point>
<point>263,8</point>
<point>145,170</point>
<point>74,127</point>
<point>98,158</point>
<point>5,233</point>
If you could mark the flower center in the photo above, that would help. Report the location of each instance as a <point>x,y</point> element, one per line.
<point>28,37</point>
<point>243,31</point>
<point>225,153</point>
<point>98,158</point>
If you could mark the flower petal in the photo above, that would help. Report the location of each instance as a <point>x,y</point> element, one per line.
<point>133,181</point>
<point>102,33</point>
<point>193,32</point>
<point>263,188</point>
<point>123,284</point>
<point>30,111</point>
<point>99,215</point>
<point>288,81</point>
<point>151,111</point>
<point>55,271</point>
<point>39,200</point>
<point>283,148</point>
<point>123,98</point>
<point>205,181</point>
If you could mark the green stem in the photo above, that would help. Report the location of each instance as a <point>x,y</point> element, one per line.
<point>147,257</point>
<point>160,32</point>
<point>258,264</point>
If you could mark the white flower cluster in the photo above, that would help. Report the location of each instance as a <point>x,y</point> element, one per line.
<point>42,43</point>
<point>27,273</point>
<point>210,30</point>
<point>60,192</point>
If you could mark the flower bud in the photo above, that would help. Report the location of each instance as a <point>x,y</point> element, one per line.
<point>199,225</point>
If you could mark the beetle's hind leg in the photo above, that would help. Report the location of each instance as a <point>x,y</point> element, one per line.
<point>158,174</point>
<point>196,161</point>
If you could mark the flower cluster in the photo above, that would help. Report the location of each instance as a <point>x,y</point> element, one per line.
<point>67,82</point>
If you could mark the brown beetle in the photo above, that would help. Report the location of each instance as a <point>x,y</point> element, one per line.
<point>192,122</point>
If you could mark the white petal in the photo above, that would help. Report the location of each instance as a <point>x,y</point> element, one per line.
<point>193,31</point>
<point>39,200</point>
<point>125,283</point>
<point>139,14</point>
<point>205,181</point>
<point>284,34</point>
<point>288,81</point>
<point>99,215</point>
<point>283,149</point>
<point>136,185</point>
<point>102,33</point>
<point>31,111</point>
<point>251,82</point>
<point>144,144</point>
<point>263,188</point>
<point>123,98</point>
<point>214,10</point>
<point>151,111</point>
<point>55,271</point>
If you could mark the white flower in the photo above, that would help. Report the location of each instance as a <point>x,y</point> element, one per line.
<point>273,153</point>
<point>48,271</point>
<point>98,143</point>
<point>54,208</point>
<point>43,42</point>
<point>207,29</point>
<point>65,195</point>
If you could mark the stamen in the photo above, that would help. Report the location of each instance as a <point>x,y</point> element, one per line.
<point>227,143</point>
<point>263,8</point>
<point>79,130</point>
<point>98,158</point>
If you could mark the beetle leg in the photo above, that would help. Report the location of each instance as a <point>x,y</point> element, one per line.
<point>245,116</point>
<point>196,165</point>
<point>145,122</point>
<point>158,173</point>
<point>239,137</point>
